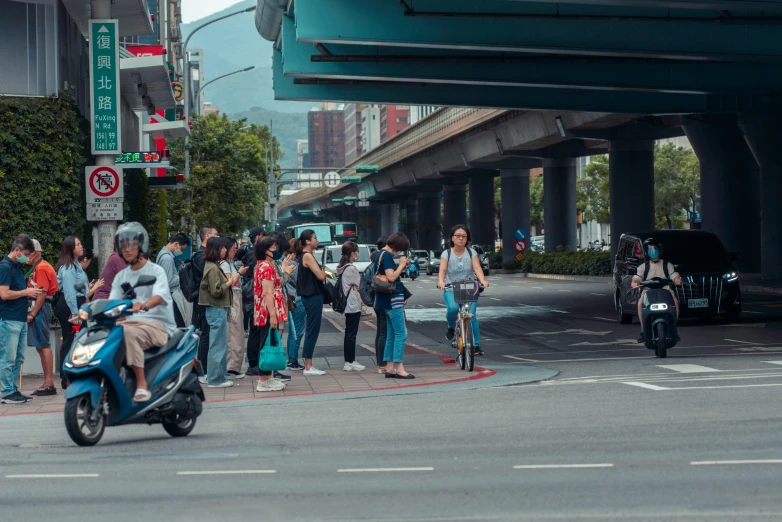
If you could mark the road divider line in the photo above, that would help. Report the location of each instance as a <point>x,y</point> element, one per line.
<point>520,358</point>
<point>734,462</point>
<point>742,342</point>
<point>54,476</point>
<point>231,472</point>
<point>605,319</point>
<point>563,466</point>
<point>773,362</point>
<point>645,385</point>
<point>380,470</point>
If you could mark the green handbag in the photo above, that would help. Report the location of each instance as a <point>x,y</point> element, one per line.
<point>273,357</point>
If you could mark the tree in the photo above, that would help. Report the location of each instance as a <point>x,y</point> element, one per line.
<point>594,199</point>
<point>228,166</point>
<point>676,184</point>
<point>536,201</point>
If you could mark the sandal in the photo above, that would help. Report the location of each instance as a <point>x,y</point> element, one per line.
<point>45,390</point>
<point>142,395</point>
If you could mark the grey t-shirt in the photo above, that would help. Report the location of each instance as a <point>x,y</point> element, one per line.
<point>164,313</point>
<point>459,267</point>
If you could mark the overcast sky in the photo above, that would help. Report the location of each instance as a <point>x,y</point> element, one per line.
<point>195,9</point>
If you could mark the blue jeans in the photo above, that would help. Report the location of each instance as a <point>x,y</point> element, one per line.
<point>297,321</point>
<point>313,307</point>
<point>453,311</point>
<point>397,336</point>
<point>217,367</point>
<point>13,342</point>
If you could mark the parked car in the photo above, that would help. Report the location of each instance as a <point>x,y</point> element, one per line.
<point>484,257</point>
<point>330,256</point>
<point>710,283</point>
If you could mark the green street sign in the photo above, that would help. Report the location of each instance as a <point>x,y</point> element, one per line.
<point>337,201</point>
<point>106,135</point>
<point>305,212</point>
<point>366,169</point>
<point>348,199</point>
<point>351,179</point>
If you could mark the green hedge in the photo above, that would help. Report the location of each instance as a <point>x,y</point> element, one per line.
<point>44,146</point>
<point>586,263</point>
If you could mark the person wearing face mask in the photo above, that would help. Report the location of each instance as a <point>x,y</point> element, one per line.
<point>655,267</point>
<point>166,259</point>
<point>13,317</point>
<point>69,274</point>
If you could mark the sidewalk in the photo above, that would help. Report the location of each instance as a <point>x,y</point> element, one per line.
<point>428,367</point>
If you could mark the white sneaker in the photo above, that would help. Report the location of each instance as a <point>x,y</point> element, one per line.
<point>202,380</point>
<point>314,372</point>
<point>224,384</point>
<point>348,367</point>
<point>271,385</point>
<point>233,376</point>
<point>275,379</point>
<point>358,367</point>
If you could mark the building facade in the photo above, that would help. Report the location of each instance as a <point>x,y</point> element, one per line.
<point>353,130</point>
<point>370,128</point>
<point>326,138</point>
<point>393,120</point>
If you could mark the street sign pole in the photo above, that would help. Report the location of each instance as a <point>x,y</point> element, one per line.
<point>106,124</point>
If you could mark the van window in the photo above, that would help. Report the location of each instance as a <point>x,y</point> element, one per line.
<point>620,251</point>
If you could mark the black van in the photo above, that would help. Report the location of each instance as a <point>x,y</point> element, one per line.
<point>710,282</point>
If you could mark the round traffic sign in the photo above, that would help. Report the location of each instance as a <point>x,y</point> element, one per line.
<point>104,181</point>
<point>521,246</point>
<point>332,179</point>
<point>363,195</point>
<point>520,234</point>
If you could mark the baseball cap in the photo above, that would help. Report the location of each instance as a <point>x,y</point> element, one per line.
<point>37,245</point>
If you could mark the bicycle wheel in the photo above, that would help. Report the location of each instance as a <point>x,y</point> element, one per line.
<point>460,341</point>
<point>469,346</point>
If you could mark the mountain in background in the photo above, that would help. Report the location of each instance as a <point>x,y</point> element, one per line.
<point>233,44</point>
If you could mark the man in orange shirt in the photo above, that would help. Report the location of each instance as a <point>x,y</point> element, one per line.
<point>39,318</point>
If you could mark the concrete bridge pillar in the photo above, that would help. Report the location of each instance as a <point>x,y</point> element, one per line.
<point>763,133</point>
<point>410,226</point>
<point>515,208</point>
<point>730,185</point>
<point>389,218</point>
<point>429,222</point>
<point>482,210</point>
<point>454,207</point>
<point>373,222</point>
<point>631,187</point>
<point>559,203</point>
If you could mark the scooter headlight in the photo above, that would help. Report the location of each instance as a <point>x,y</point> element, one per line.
<point>730,276</point>
<point>82,354</point>
<point>658,307</point>
<point>115,312</point>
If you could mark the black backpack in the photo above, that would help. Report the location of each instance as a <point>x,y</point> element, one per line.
<point>647,265</point>
<point>365,287</point>
<point>339,299</point>
<point>189,282</point>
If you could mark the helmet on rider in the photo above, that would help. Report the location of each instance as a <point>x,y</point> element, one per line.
<point>653,249</point>
<point>128,236</point>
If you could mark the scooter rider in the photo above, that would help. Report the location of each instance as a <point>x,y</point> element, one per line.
<point>655,266</point>
<point>153,327</point>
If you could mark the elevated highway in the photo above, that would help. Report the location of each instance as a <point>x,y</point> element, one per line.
<point>619,74</point>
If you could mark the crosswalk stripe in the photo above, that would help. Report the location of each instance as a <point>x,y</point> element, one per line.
<point>773,362</point>
<point>687,368</point>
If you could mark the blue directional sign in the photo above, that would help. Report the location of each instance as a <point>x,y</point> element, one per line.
<point>521,234</point>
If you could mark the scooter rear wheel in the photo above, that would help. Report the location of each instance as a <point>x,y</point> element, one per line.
<point>661,350</point>
<point>179,428</point>
<point>80,428</point>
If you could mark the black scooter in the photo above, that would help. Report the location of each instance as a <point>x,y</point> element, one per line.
<point>658,312</point>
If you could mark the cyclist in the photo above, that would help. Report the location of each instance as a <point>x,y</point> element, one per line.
<point>460,262</point>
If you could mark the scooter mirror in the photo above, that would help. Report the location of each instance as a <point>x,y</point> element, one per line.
<point>145,281</point>
<point>632,271</point>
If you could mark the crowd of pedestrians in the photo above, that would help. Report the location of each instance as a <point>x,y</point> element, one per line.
<point>242,302</point>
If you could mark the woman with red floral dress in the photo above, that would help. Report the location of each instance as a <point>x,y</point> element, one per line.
<point>269,303</point>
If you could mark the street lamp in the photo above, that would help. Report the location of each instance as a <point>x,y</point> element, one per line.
<point>186,63</point>
<point>198,96</point>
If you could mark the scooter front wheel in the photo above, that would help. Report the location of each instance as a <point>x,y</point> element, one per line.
<point>79,424</point>
<point>661,350</point>
<point>179,427</point>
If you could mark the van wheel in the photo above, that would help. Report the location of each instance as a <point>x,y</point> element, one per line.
<point>623,317</point>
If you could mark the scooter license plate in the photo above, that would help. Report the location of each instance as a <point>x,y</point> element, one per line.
<point>697,303</point>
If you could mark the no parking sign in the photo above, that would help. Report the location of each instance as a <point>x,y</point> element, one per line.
<point>105,193</point>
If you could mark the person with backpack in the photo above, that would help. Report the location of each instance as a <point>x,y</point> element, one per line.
<point>297,317</point>
<point>390,297</point>
<point>655,266</point>
<point>349,300</point>
<point>199,311</point>
<point>460,263</point>
<point>309,286</point>
<point>368,296</point>
<point>166,259</point>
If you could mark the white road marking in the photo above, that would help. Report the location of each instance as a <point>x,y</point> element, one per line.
<point>568,291</point>
<point>645,385</point>
<point>368,347</point>
<point>563,466</point>
<point>748,325</point>
<point>55,476</point>
<point>627,342</point>
<point>750,312</point>
<point>605,319</point>
<point>381,470</point>
<point>231,472</point>
<point>742,342</point>
<point>687,368</point>
<point>560,311</point>
<point>524,305</point>
<point>572,332</point>
<point>726,387</point>
<point>519,358</point>
<point>773,362</point>
<point>441,304</point>
<point>733,462</point>
<point>495,299</point>
<point>419,286</point>
<point>601,295</point>
<point>537,288</point>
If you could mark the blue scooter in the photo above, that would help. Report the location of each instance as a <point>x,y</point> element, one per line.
<point>412,271</point>
<point>101,386</point>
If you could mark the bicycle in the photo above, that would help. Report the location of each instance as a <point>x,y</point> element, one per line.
<point>465,293</point>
